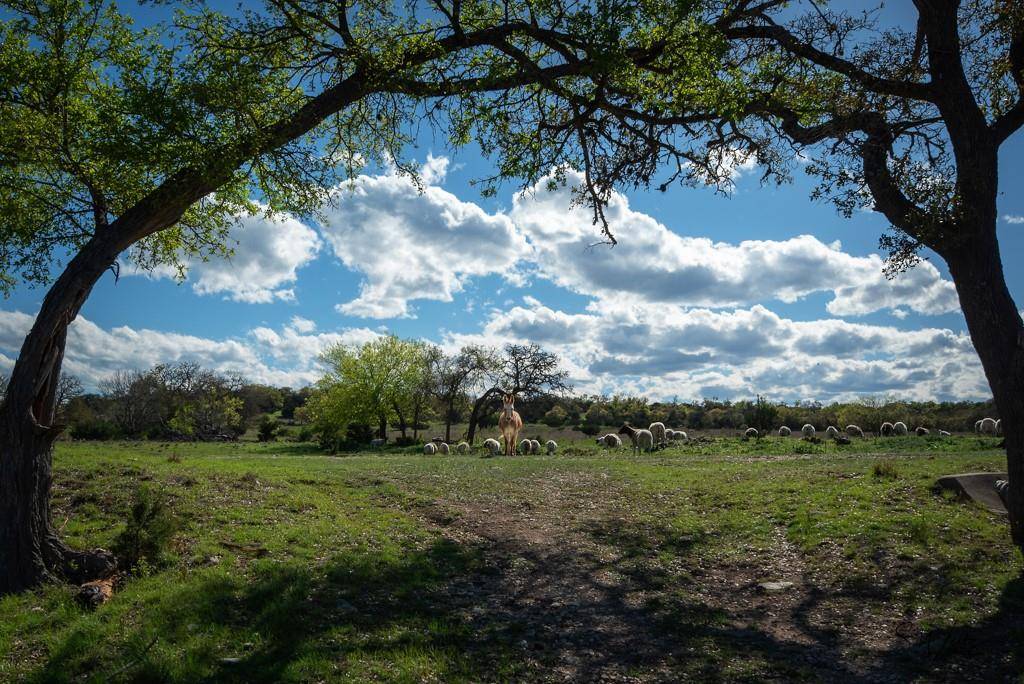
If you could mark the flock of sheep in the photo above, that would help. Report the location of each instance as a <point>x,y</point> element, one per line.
<point>657,434</point>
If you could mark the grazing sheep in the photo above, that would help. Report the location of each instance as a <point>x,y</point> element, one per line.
<point>658,430</point>
<point>552,446</point>
<point>524,446</point>
<point>534,446</point>
<point>988,426</point>
<point>681,436</point>
<point>921,431</point>
<point>785,431</point>
<point>612,441</point>
<point>886,430</point>
<point>750,432</point>
<point>900,428</point>
<point>377,442</point>
<point>943,433</point>
<point>999,426</point>
<point>643,440</point>
<point>429,449</point>
<point>977,426</point>
<point>854,431</point>
<point>493,446</point>
<point>831,431</point>
<point>462,447</point>
<point>807,430</point>
<point>444,449</point>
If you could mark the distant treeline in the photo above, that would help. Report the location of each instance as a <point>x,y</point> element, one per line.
<point>185,401</point>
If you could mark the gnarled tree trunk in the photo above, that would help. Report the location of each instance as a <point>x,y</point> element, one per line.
<point>478,408</point>
<point>998,335</point>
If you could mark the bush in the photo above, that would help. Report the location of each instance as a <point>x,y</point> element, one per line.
<point>267,429</point>
<point>94,429</point>
<point>886,469</point>
<point>150,524</point>
<point>405,441</point>
<point>359,433</point>
<point>556,417</point>
<point>589,429</point>
<point>306,433</point>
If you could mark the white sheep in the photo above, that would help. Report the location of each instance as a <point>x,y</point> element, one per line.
<point>943,433</point>
<point>462,447</point>
<point>988,426</point>
<point>900,428</point>
<point>658,431</point>
<point>443,449</point>
<point>377,442</point>
<point>750,432</point>
<point>492,446</point>
<point>921,431</point>
<point>999,426</point>
<point>612,441</point>
<point>807,430</point>
<point>785,431</point>
<point>977,426</point>
<point>429,449</point>
<point>643,440</point>
<point>831,431</point>
<point>681,436</point>
<point>886,430</point>
<point>552,446</point>
<point>854,431</point>
<point>534,446</point>
<point>525,446</point>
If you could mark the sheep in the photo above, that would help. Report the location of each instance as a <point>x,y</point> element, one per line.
<point>831,431</point>
<point>493,446</point>
<point>681,436</point>
<point>444,449</point>
<point>658,430</point>
<point>462,447</point>
<point>612,441</point>
<point>999,426</point>
<point>943,433</point>
<point>534,446</point>
<point>785,431</point>
<point>854,431</point>
<point>807,430</point>
<point>525,446</point>
<point>921,431</point>
<point>429,449</point>
<point>750,432</point>
<point>377,442</point>
<point>552,446</point>
<point>900,428</point>
<point>643,440</point>
<point>988,426</point>
<point>977,426</point>
<point>886,430</point>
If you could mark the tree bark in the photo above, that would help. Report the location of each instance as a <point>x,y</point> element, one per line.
<point>32,551</point>
<point>997,332</point>
<point>478,407</point>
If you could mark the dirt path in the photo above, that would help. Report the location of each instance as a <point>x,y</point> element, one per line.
<point>566,585</point>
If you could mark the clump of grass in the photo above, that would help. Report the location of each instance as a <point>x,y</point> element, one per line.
<point>174,457</point>
<point>147,535</point>
<point>885,469</point>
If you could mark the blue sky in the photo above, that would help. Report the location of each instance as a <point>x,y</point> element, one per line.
<point>763,291</point>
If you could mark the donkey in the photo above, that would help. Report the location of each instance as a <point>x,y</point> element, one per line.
<point>510,423</point>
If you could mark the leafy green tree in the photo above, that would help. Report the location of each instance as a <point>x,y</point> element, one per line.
<point>364,384</point>
<point>555,417</point>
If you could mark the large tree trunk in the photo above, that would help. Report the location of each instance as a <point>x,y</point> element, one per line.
<point>998,335</point>
<point>478,407</point>
<point>32,551</point>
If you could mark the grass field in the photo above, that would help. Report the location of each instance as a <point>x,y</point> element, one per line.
<point>588,565</point>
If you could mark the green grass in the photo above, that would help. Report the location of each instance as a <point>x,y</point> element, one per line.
<point>362,552</point>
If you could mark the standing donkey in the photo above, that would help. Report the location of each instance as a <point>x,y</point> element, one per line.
<point>510,423</point>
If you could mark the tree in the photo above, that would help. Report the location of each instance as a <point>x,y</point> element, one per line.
<point>525,370</point>
<point>116,139</point>
<point>905,121</point>
<point>363,384</point>
<point>455,374</point>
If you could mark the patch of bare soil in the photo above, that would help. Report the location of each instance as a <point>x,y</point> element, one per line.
<point>584,596</point>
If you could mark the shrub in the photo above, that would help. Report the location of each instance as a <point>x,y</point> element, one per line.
<point>150,524</point>
<point>267,429</point>
<point>589,429</point>
<point>886,469</point>
<point>406,441</point>
<point>306,433</point>
<point>93,429</point>
<point>556,417</point>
